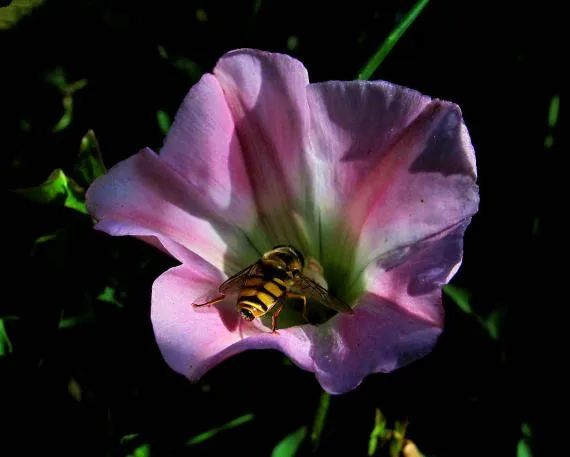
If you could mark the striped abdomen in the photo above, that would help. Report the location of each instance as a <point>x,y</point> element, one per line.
<point>260,292</point>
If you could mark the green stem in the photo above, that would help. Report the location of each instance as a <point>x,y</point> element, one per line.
<point>375,61</point>
<point>319,421</point>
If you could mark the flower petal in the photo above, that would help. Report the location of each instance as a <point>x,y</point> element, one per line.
<point>399,165</point>
<point>155,239</point>
<point>353,125</point>
<point>203,146</point>
<point>425,184</point>
<point>412,276</point>
<point>144,196</point>
<point>266,94</point>
<point>379,337</point>
<point>193,340</point>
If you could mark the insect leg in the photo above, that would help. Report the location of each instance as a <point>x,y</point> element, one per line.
<point>211,302</point>
<point>274,318</point>
<point>302,297</point>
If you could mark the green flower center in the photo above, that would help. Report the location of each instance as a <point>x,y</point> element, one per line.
<point>330,260</point>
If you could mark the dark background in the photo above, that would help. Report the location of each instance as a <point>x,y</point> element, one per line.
<point>501,64</point>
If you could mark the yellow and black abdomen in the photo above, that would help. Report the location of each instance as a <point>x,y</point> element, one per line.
<point>261,292</point>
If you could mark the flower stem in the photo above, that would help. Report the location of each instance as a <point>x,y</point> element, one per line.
<point>319,421</point>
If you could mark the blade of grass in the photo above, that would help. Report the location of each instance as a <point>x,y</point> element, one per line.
<point>141,451</point>
<point>461,297</point>
<point>200,438</point>
<point>553,111</point>
<point>5,343</point>
<point>379,432</point>
<point>320,417</point>
<point>164,121</point>
<point>372,65</point>
<point>289,445</point>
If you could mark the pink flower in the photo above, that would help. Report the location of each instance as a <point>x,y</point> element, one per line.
<point>374,182</point>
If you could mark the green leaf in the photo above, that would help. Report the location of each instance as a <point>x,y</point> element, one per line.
<point>164,121</point>
<point>460,296</point>
<point>16,10</point>
<point>58,78</point>
<point>256,7</point>
<point>67,115</point>
<point>398,436</point>
<point>108,296</point>
<point>141,451</point>
<point>128,438</point>
<point>162,52</point>
<point>57,189</point>
<point>375,61</point>
<point>188,67</point>
<point>289,445</point>
<point>494,323</point>
<point>200,438</point>
<point>553,115</point>
<point>46,238</point>
<point>89,164</point>
<point>379,432</point>
<point>320,417</point>
<point>5,343</point>
<point>73,87</point>
<point>526,430</point>
<point>74,321</point>
<point>523,449</point>
<point>185,65</point>
<point>25,125</point>
<point>292,42</point>
<point>51,245</point>
<point>74,389</point>
<point>201,15</point>
<point>553,111</point>
<point>548,141</point>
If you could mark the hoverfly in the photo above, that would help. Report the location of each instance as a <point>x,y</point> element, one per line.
<point>265,285</point>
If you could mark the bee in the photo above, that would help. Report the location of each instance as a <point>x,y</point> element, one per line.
<point>266,284</point>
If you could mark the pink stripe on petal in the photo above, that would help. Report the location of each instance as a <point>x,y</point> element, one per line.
<point>203,146</point>
<point>353,125</point>
<point>144,192</point>
<point>396,164</point>
<point>266,94</point>
<point>423,185</point>
<point>194,340</point>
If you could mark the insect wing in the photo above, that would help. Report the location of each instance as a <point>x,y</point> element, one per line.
<point>229,286</point>
<point>208,298</point>
<point>235,282</point>
<point>319,293</point>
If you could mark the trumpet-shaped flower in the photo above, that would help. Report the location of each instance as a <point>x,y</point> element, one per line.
<point>374,183</point>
